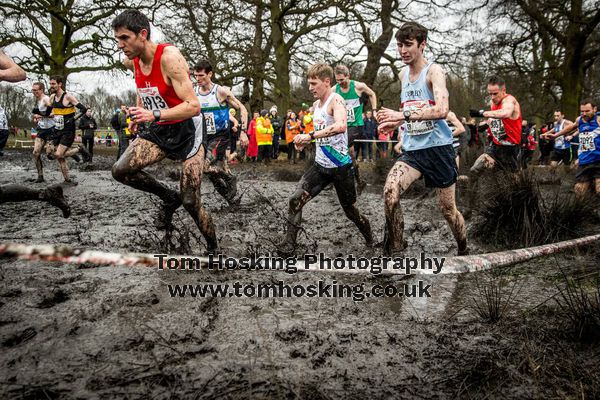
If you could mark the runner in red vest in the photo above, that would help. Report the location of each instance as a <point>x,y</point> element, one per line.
<point>504,128</point>
<point>166,100</point>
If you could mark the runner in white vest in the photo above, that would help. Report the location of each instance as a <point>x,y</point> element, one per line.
<point>332,162</point>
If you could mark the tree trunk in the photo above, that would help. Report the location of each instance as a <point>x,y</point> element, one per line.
<point>282,90</point>
<point>572,80</point>
<point>376,49</point>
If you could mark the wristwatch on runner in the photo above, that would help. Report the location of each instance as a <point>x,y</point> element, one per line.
<point>156,114</point>
<point>406,115</point>
<point>312,135</point>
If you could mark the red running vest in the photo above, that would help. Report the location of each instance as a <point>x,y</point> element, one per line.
<point>154,92</point>
<point>505,131</point>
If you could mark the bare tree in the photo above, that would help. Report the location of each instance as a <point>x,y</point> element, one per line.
<point>63,36</point>
<point>549,43</point>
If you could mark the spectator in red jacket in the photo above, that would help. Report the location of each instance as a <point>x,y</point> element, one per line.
<point>252,151</point>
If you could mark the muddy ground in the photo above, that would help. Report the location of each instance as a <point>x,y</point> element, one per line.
<point>79,331</point>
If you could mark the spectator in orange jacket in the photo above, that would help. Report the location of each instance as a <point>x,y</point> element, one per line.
<point>292,128</point>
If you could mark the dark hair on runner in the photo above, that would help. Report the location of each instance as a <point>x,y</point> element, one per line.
<point>558,111</point>
<point>496,80</point>
<point>587,101</point>
<point>133,20</point>
<point>40,85</point>
<point>58,79</point>
<point>412,30</point>
<point>203,65</point>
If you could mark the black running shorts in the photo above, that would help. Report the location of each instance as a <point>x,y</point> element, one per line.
<point>316,178</point>
<point>437,164</point>
<point>506,157</point>
<point>180,140</point>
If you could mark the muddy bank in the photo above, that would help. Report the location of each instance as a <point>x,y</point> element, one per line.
<point>87,332</point>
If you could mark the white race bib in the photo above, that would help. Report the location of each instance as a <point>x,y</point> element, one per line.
<point>586,141</point>
<point>151,99</point>
<point>211,128</point>
<point>418,127</point>
<point>59,122</point>
<point>498,131</point>
<point>350,113</point>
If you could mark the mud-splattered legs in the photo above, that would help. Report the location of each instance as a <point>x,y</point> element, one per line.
<point>128,169</point>
<point>582,188</point>
<point>360,221</point>
<point>447,202</point>
<point>191,178</point>
<point>482,163</point>
<point>38,146</point>
<point>297,201</point>
<point>17,193</point>
<point>222,179</point>
<point>401,176</point>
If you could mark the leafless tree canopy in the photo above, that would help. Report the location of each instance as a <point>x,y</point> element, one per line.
<point>261,48</point>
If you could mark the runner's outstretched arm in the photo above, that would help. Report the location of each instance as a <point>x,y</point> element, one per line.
<point>567,129</point>
<point>363,88</point>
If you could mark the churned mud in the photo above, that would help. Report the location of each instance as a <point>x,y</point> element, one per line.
<point>82,331</point>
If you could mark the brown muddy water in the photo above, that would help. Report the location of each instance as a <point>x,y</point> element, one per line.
<point>80,331</point>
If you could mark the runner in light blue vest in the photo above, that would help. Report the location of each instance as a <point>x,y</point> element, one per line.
<point>426,141</point>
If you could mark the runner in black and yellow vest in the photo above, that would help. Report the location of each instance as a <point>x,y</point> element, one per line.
<point>63,107</point>
<point>12,193</point>
<point>352,92</point>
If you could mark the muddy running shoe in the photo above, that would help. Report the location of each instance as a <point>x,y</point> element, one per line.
<point>54,195</point>
<point>231,195</point>
<point>85,154</point>
<point>39,179</point>
<point>76,158</point>
<point>286,249</point>
<point>467,214</point>
<point>164,218</point>
<point>463,249</point>
<point>387,246</point>
<point>71,182</point>
<point>360,186</point>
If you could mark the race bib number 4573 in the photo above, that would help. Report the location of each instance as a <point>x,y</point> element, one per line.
<point>151,99</point>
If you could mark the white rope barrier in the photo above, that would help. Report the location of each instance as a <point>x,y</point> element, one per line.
<point>451,265</point>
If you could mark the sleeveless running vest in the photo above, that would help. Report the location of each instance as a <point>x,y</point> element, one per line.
<point>560,143</point>
<point>422,134</point>
<point>152,89</point>
<point>64,116</point>
<point>589,141</point>
<point>505,132</point>
<point>215,114</point>
<point>354,108</point>
<point>44,122</point>
<point>332,151</point>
